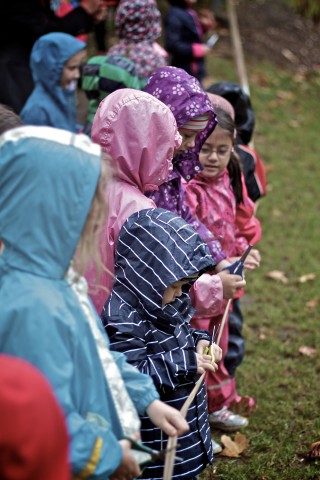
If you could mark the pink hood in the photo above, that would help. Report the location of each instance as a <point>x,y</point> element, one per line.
<point>140,133</point>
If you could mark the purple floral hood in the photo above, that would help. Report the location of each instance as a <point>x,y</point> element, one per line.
<point>185,97</point>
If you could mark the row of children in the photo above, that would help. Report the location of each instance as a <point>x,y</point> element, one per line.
<point>159,259</point>
<point>162,268</point>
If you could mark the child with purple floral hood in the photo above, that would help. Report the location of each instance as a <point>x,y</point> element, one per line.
<point>196,119</point>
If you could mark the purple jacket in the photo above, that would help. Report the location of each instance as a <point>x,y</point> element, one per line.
<point>186,98</point>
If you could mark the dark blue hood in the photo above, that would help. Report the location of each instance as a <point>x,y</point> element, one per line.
<point>155,249</point>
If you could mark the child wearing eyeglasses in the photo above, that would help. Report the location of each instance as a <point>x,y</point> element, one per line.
<point>214,195</point>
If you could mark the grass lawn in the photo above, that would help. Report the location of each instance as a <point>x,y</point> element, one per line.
<point>281,317</point>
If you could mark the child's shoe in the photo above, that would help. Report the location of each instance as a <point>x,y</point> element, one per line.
<point>216,447</point>
<point>227,421</point>
<point>243,405</point>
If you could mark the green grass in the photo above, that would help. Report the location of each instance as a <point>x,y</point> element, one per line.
<point>278,321</point>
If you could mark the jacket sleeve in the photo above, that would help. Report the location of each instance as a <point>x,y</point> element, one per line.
<point>140,387</point>
<point>166,368</point>
<point>200,335</point>
<point>207,295</point>
<point>48,344</point>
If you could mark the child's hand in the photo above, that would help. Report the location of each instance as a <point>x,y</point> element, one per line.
<point>216,350</point>
<point>253,260</point>
<point>167,418</point>
<point>128,467</point>
<point>204,363</point>
<point>231,283</point>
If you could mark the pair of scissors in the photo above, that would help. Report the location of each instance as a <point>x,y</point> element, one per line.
<point>237,267</point>
<point>145,455</point>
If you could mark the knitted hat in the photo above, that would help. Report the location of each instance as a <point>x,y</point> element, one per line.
<point>197,123</point>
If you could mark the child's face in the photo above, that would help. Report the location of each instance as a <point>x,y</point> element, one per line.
<point>215,153</point>
<point>71,70</point>
<point>188,139</point>
<point>173,291</point>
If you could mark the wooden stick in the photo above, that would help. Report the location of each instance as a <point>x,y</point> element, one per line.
<point>237,45</point>
<point>169,461</point>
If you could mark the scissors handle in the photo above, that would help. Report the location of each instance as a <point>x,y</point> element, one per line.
<point>237,267</point>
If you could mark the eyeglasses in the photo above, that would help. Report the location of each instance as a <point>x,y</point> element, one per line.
<point>222,152</point>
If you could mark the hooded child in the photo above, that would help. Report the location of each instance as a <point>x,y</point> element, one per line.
<point>140,134</point>
<point>51,208</point>
<point>213,195</point>
<point>147,317</point>
<point>56,59</point>
<point>138,26</point>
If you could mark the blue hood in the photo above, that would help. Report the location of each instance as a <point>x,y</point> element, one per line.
<point>48,56</point>
<point>50,104</point>
<point>42,211</point>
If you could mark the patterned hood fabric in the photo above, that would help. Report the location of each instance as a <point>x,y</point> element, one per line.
<point>155,249</point>
<point>138,25</point>
<point>186,99</point>
<point>138,20</point>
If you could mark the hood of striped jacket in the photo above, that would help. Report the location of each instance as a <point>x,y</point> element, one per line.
<point>155,249</point>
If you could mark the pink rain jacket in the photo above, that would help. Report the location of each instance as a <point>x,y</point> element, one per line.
<point>214,203</point>
<point>140,133</point>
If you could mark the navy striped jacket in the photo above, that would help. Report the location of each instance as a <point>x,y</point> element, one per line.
<point>155,249</point>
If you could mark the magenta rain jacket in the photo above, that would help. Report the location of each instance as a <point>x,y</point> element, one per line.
<point>140,133</point>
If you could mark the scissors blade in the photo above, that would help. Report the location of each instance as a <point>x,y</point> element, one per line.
<point>245,254</point>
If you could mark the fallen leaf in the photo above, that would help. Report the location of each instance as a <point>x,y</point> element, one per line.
<point>233,448</point>
<point>314,450</point>
<point>307,277</point>
<point>277,275</point>
<point>308,351</point>
<point>312,303</point>
<point>283,95</point>
<point>276,212</point>
<point>289,55</point>
<point>294,124</point>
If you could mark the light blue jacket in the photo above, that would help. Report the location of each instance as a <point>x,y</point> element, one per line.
<point>50,104</point>
<point>42,214</point>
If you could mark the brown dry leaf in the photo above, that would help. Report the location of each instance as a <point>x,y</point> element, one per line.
<point>308,351</point>
<point>277,275</point>
<point>307,277</point>
<point>315,450</point>
<point>276,212</point>
<point>294,124</point>
<point>283,95</point>
<point>312,303</point>
<point>233,448</point>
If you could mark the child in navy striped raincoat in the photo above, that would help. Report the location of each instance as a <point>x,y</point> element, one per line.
<point>147,316</point>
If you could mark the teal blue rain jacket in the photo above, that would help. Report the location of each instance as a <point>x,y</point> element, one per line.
<point>47,181</point>
<point>50,104</point>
